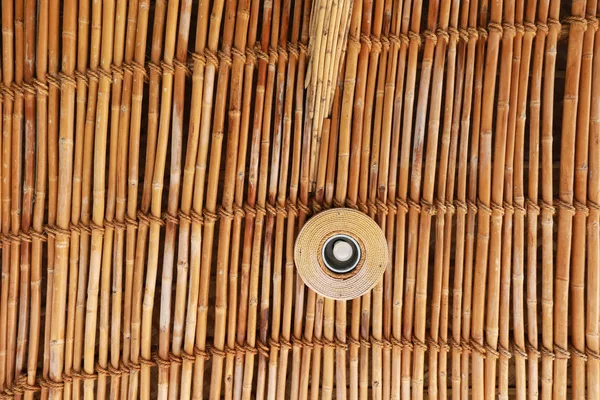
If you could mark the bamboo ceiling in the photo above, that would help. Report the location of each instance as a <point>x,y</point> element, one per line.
<point>158,159</point>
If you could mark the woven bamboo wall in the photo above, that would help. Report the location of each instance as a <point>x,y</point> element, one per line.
<point>158,159</point>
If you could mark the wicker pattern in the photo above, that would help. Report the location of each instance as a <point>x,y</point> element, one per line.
<point>159,158</point>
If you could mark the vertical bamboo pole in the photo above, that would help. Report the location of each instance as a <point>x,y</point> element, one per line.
<point>476,55</point>
<point>65,175</point>
<point>486,250</point>
<point>511,194</point>
<point>446,185</point>
<point>593,264</point>
<point>210,212</point>
<point>122,300</point>
<point>532,263</point>
<point>246,107</point>
<point>8,76</point>
<point>346,116</point>
<point>295,143</point>
<point>548,266</point>
<point>99,268</point>
<point>85,118</point>
<point>433,128</point>
<point>254,218</point>
<point>577,287</point>
<point>497,196</point>
<point>196,156</point>
<point>301,148</point>
<point>52,125</point>
<point>40,124</point>
<point>164,123</point>
<point>276,197</point>
<point>459,144</point>
<point>565,201</point>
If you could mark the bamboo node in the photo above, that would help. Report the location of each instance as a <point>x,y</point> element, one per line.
<point>17,89</point>
<point>575,20</point>
<point>249,211</point>
<point>592,354</point>
<point>105,74</point>
<point>592,22</point>
<point>362,206</point>
<point>125,370</point>
<point>377,342</point>
<point>7,92</point>
<point>354,42</point>
<point>306,343</point>
<point>394,40</point>
<point>30,388</point>
<point>147,362</point>
<point>381,207</point>
<point>271,211</point>
<point>187,356</point>
<point>291,208</point>
<point>209,216</point>
<point>351,204</point>
<point>303,47</point>
<point>168,217</point>
<point>495,27</point>
<point>153,67</point>
<point>274,344</point>
<point>117,72</point>
<point>302,207</point>
<point>385,43</point>
<point>282,51</point>
<point>53,80</point>
<point>509,29</point>
<point>109,224</point>
<point>507,354</point>
<point>414,205</point>
<point>24,237</point>
<point>391,206</point>
<point>112,371</point>
<point>414,37</point>
<point>565,206</point>
<point>199,58</point>
<point>464,34</point>
<point>28,88</point>
<point>167,69</point>
<point>131,222</point>
<point>497,209</point>
<point>183,217</point>
<point>404,39</point>
<point>261,55</point>
<point>547,353</point>
<point>160,362</point>
<point>353,342</point>
<point>532,351</point>
<point>127,67</point>
<point>50,384</point>
<point>40,87</point>
<point>594,207</point>
<point>97,228</point>
<point>328,343</point>
<point>135,367</point>
<point>182,66</point>
<point>427,207</point>
<point>366,40</point>
<point>482,33</point>
<point>285,344</point>
<point>371,206</point>
<point>316,343</point>
<point>581,208</point>
<point>561,353</point>
<point>336,204</point>
<point>38,235</point>
<point>101,370</point>
<point>201,353</point>
<point>406,344</point>
<point>432,344</point>
<point>175,359</point>
<point>532,207</point>
<point>429,35</point>
<point>577,353</point>
<point>88,376</point>
<point>483,208</point>
<point>262,348</point>
<point>365,343</point>
<point>445,34</point>
<point>530,27</point>
<point>541,28</point>
<point>466,346</point>
<point>419,344</point>
<point>196,217</point>
<point>55,231</point>
<point>250,349</point>
<point>273,55</point>
<point>477,347</point>
<point>456,347</point>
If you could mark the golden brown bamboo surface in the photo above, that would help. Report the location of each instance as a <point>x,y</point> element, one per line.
<point>159,157</point>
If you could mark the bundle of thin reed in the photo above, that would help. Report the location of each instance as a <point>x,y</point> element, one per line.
<point>326,47</point>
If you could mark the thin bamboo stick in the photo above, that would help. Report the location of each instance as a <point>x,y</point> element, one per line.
<point>294,169</point>
<point>197,160</point>
<point>548,265</point>
<point>40,194</point>
<point>566,200</point>
<point>593,294</point>
<point>577,284</point>
<point>458,162</point>
<point>532,264</point>
<point>65,159</point>
<point>246,106</point>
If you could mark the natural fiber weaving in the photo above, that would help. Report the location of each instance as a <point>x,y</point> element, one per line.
<point>159,160</point>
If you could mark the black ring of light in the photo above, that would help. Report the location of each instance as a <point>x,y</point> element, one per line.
<point>334,265</point>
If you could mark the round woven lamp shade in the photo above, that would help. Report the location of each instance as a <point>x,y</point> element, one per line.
<point>341,253</point>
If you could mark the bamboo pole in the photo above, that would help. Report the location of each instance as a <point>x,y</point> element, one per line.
<point>566,200</point>
<point>210,212</point>
<point>196,160</point>
<point>593,294</point>
<point>435,387</point>
<point>548,265</point>
<point>40,124</point>
<point>532,264</point>
<point>65,159</point>
<point>445,192</point>
<point>124,236</point>
<point>8,76</point>
<point>474,74</point>
<point>458,161</point>
<point>290,204</point>
<point>577,284</point>
<point>137,357</point>
<point>299,386</point>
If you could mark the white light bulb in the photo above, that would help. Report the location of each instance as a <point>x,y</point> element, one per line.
<point>342,250</point>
